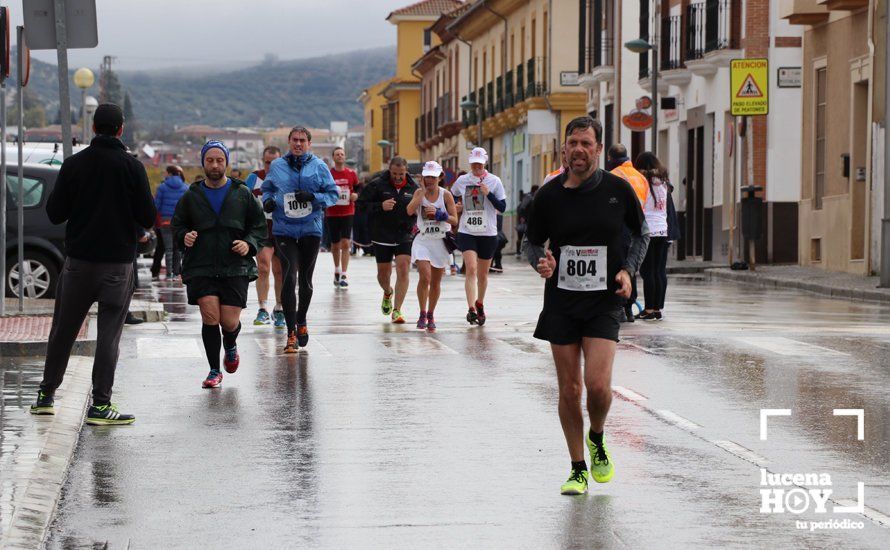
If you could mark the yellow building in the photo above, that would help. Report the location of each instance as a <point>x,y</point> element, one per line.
<point>524,83</point>
<point>401,94</point>
<point>373,103</point>
<point>444,80</point>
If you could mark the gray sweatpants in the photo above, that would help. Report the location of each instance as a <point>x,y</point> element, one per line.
<point>81,284</point>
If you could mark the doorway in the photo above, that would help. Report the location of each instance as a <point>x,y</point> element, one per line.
<point>694,181</point>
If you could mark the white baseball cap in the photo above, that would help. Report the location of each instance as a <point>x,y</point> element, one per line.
<point>479,155</point>
<point>432,168</point>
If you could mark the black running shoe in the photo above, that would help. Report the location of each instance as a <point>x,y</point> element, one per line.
<point>471,316</point>
<point>108,415</point>
<point>302,336</point>
<point>480,314</point>
<point>44,404</point>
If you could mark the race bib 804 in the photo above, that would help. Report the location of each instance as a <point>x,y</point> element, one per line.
<point>582,268</point>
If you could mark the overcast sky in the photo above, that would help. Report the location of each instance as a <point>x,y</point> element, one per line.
<point>151,34</point>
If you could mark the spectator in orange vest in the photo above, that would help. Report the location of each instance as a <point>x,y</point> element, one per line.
<point>619,164</point>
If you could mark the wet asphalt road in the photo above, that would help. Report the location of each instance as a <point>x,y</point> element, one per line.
<point>381,436</point>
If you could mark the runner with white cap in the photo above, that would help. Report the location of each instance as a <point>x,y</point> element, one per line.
<point>480,196</point>
<point>436,214</point>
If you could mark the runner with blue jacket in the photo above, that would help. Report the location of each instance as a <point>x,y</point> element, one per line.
<point>297,189</point>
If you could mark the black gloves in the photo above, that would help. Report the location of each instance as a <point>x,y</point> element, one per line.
<point>303,196</point>
<point>269,206</point>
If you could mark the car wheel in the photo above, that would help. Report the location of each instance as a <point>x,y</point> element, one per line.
<point>40,275</point>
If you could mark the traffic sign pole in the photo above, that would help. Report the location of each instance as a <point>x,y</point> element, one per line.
<point>21,202</point>
<point>64,92</point>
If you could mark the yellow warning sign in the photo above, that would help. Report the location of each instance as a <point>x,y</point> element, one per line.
<point>749,86</point>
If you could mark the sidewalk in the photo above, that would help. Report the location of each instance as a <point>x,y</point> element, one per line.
<point>826,283</point>
<point>25,334</point>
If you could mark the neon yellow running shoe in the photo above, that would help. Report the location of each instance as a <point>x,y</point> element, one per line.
<point>576,484</point>
<point>601,467</point>
<point>386,304</point>
<point>397,317</point>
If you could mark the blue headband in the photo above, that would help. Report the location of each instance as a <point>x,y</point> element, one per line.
<point>214,144</point>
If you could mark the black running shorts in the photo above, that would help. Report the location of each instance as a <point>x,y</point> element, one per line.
<point>232,291</point>
<point>339,227</point>
<point>385,254</point>
<point>484,247</point>
<point>562,329</point>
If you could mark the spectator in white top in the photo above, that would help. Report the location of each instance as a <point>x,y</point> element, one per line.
<point>654,268</point>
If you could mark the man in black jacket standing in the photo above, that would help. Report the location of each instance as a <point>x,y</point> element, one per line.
<point>386,197</point>
<point>103,194</point>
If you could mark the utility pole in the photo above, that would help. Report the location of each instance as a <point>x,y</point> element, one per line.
<point>885,222</point>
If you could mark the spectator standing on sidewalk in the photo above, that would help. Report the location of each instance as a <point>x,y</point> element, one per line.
<point>654,268</point>
<point>166,198</point>
<point>103,194</point>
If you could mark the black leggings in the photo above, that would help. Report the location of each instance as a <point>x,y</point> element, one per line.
<point>297,263</point>
<point>654,272</point>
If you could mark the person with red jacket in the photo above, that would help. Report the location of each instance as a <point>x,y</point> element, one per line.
<point>340,216</point>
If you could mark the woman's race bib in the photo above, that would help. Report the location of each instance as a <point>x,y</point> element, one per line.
<point>294,208</point>
<point>343,195</point>
<point>431,229</point>
<point>475,216</point>
<point>582,268</point>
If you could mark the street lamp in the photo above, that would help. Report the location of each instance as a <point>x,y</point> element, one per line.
<point>83,79</point>
<point>470,105</point>
<point>641,47</point>
<point>384,143</point>
<point>90,104</point>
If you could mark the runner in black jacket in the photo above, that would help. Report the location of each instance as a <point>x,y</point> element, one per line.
<point>386,197</point>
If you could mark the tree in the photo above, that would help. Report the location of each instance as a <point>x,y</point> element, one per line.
<point>35,112</point>
<point>110,88</point>
<point>130,127</point>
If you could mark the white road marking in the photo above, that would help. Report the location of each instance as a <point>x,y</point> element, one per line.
<point>741,452</point>
<point>628,394</point>
<point>788,347</point>
<point>677,420</point>
<point>168,348</point>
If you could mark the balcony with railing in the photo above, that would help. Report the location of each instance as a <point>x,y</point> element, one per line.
<point>520,83</point>
<point>599,43</point>
<point>671,68</point>
<point>509,97</point>
<point>481,102</point>
<point>499,95</point>
<point>712,35</point>
<point>489,95</point>
<point>536,84</point>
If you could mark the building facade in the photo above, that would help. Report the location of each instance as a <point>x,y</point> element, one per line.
<point>445,77</point>
<point>842,186</point>
<point>524,85</point>
<point>698,139</point>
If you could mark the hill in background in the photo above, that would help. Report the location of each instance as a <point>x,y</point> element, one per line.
<point>311,92</point>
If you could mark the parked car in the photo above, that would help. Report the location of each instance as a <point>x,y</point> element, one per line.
<point>44,242</point>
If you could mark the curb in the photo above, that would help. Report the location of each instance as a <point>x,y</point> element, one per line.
<point>858,294</point>
<point>38,348</point>
<point>33,508</point>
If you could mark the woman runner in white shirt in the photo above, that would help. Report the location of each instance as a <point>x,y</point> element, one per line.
<point>435,211</point>
<point>480,197</point>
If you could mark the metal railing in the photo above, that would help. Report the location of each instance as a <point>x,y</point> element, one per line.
<point>670,50</point>
<point>481,102</point>
<point>509,98</point>
<point>718,25</point>
<point>535,83</point>
<point>695,31</point>
<point>520,83</point>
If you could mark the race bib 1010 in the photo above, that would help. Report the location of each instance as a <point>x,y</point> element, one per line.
<point>582,268</point>
<point>294,208</point>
